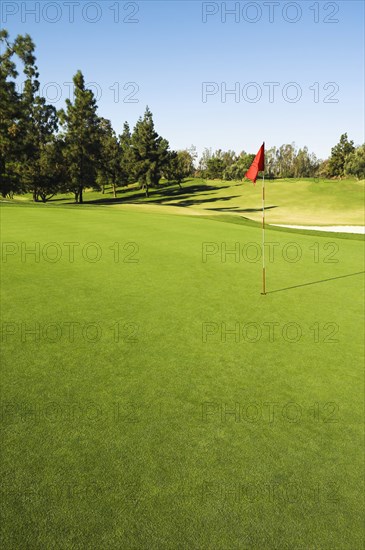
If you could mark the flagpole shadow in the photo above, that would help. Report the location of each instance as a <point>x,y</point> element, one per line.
<point>315,282</point>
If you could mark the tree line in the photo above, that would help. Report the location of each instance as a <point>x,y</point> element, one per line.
<point>44,151</point>
<point>287,162</point>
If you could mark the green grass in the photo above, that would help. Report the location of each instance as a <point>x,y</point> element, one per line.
<point>106,444</point>
<point>308,201</point>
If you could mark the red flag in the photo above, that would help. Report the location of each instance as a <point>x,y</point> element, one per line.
<point>257,166</point>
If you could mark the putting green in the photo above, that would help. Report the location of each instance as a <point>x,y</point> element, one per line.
<point>153,398</point>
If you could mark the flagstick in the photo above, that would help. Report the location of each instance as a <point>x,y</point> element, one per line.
<point>263,237</point>
<point>258,165</point>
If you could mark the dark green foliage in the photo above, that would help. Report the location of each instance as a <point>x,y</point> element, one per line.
<point>355,163</point>
<point>40,150</point>
<point>82,139</point>
<point>339,154</point>
<point>53,172</point>
<point>180,166</point>
<point>15,109</point>
<point>127,171</point>
<point>108,171</point>
<point>214,165</point>
<point>237,170</point>
<point>150,152</point>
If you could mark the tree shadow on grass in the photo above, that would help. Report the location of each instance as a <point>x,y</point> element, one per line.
<point>58,199</point>
<point>193,202</point>
<point>316,282</point>
<point>164,194</point>
<point>240,210</point>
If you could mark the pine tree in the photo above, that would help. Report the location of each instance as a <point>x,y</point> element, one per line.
<point>127,170</point>
<point>41,125</point>
<point>109,159</point>
<point>82,139</point>
<point>150,152</point>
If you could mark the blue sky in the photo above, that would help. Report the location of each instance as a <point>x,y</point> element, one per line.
<point>170,55</point>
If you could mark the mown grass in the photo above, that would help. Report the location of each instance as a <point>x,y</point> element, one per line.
<point>310,201</point>
<point>128,441</point>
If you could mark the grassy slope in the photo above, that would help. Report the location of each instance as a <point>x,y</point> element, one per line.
<point>149,472</point>
<point>304,201</point>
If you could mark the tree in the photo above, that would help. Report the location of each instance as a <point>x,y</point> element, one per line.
<point>52,173</point>
<point>355,163</point>
<point>305,165</point>
<point>42,123</point>
<point>288,162</point>
<point>180,166</point>
<point>150,152</point>
<point>203,162</point>
<point>194,155</point>
<point>339,154</point>
<point>15,108</point>
<point>238,169</point>
<point>215,168</point>
<point>109,158</point>
<point>82,139</point>
<point>213,165</point>
<point>218,163</point>
<point>323,169</point>
<point>285,156</point>
<point>271,164</point>
<point>127,171</point>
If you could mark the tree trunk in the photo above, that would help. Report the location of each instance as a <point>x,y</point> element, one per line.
<point>102,189</point>
<point>76,196</point>
<point>35,196</point>
<point>114,190</point>
<point>81,200</point>
<point>146,190</point>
